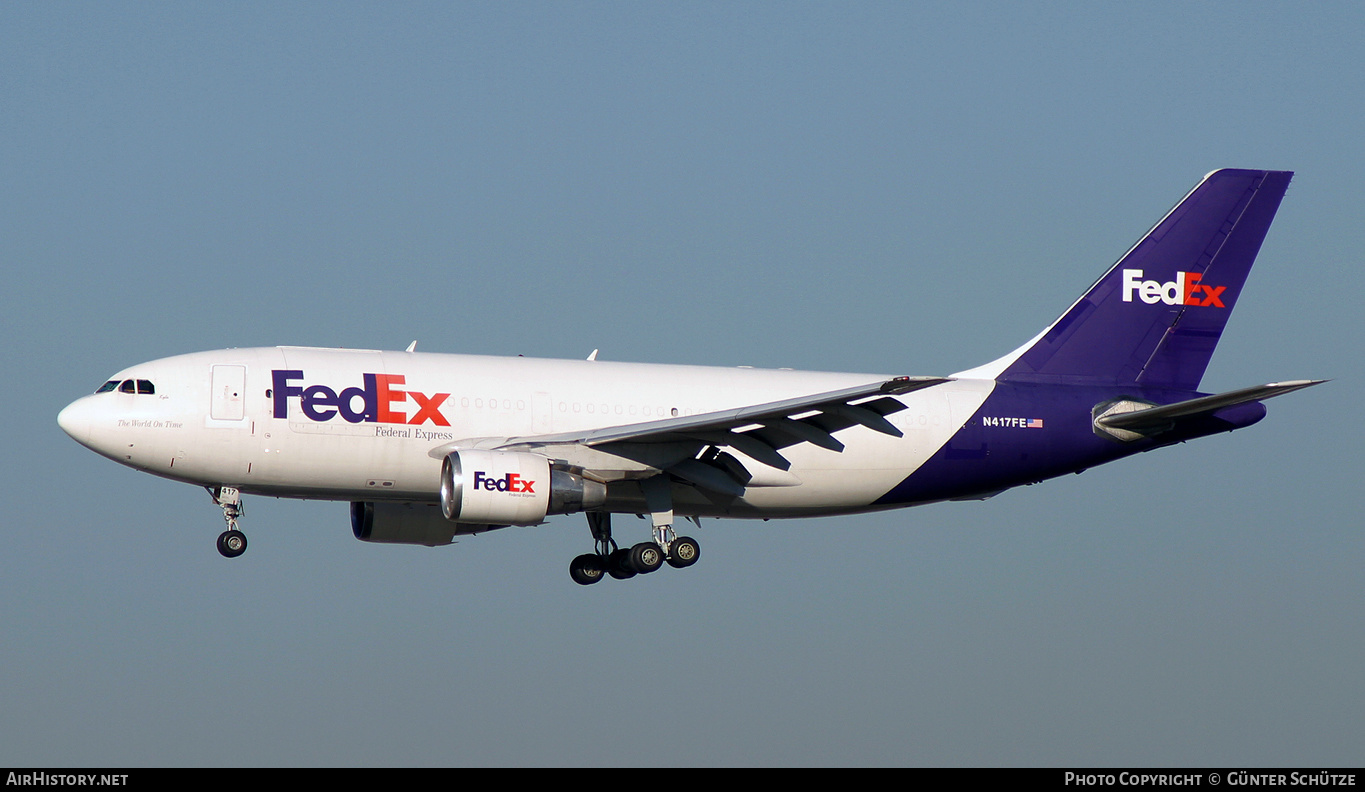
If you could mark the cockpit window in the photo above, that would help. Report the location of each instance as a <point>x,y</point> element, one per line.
<point>128,386</point>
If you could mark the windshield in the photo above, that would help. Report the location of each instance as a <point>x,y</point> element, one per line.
<point>128,386</point>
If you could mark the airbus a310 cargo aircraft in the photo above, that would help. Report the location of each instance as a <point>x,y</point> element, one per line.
<point>427,447</point>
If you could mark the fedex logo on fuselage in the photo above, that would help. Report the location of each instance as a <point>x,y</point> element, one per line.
<point>1184,290</point>
<point>376,401</point>
<point>511,482</point>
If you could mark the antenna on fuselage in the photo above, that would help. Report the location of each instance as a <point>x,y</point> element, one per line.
<point>593,356</point>
<point>412,347</point>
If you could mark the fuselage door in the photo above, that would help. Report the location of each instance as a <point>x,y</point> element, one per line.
<point>228,393</point>
<point>540,413</point>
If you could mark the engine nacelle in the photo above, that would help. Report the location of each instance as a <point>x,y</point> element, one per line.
<point>408,523</point>
<point>511,488</point>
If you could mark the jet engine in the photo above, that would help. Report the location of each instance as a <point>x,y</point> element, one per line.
<point>408,523</point>
<point>511,488</point>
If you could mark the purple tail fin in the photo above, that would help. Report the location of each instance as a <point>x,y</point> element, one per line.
<point>1154,319</point>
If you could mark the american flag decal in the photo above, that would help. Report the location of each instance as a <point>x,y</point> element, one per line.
<point>1034,423</point>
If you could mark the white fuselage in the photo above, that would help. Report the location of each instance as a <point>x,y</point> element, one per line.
<point>290,422</point>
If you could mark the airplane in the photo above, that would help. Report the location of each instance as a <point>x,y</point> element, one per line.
<point>429,447</point>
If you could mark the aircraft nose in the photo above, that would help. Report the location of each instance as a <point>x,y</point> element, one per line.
<point>74,419</point>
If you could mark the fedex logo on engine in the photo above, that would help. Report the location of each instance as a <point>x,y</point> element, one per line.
<point>1184,290</point>
<point>376,401</point>
<point>512,482</point>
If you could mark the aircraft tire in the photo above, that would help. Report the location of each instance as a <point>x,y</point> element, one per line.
<point>646,557</point>
<point>231,543</point>
<point>618,565</point>
<point>586,569</point>
<point>683,552</point>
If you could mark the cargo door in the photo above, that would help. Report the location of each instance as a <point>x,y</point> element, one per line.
<point>228,392</point>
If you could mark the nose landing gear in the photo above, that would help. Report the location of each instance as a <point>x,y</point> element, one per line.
<point>232,542</point>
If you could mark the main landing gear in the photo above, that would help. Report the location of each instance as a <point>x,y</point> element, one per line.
<point>641,559</point>
<point>232,542</point>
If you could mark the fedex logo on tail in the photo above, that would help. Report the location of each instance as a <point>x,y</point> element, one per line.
<point>378,400</point>
<point>1186,289</point>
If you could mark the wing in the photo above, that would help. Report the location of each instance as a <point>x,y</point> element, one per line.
<point>760,432</point>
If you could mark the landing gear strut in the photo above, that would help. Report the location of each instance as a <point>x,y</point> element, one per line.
<point>232,542</point>
<point>590,567</point>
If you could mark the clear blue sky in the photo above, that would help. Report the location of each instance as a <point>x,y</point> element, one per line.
<point>894,187</point>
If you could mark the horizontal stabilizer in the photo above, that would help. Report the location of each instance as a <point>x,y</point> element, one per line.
<point>1131,420</point>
